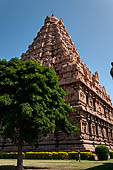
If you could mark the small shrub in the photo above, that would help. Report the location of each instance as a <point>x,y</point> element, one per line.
<point>83,155</point>
<point>102,152</point>
<point>73,155</point>
<point>59,155</point>
<point>10,155</point>
<point>111,154</point>
<point>38,155</point>
<point>3,155</point>
<point>86,156</point>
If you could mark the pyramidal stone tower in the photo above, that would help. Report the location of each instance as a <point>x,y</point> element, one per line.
<point>53,47</point>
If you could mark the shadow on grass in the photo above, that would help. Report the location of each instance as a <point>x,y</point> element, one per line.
<point>105,166</point>
<point>7,167</point>
<point>10,167</point>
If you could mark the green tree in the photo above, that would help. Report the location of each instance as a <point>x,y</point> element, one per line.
<point>31,103</point>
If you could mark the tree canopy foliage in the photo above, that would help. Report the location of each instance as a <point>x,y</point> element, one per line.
<point>31,102</point>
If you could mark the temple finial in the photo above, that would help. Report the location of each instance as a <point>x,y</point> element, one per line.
<point>52,13</point>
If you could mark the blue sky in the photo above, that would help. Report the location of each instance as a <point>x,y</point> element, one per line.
<point>89,22</point>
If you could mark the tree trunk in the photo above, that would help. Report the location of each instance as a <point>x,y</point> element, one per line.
<point>20,160</point>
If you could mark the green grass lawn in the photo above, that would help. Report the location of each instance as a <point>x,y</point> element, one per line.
<point>6,164</point>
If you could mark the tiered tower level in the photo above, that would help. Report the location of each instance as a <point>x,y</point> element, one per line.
<point>53,47</point>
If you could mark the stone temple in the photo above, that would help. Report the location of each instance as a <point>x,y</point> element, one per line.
<point>53,47</point>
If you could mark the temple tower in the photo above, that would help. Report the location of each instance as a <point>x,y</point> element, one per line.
<point>53,47</point>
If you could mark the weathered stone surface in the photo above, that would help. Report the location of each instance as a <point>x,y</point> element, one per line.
<point>53,47</point>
